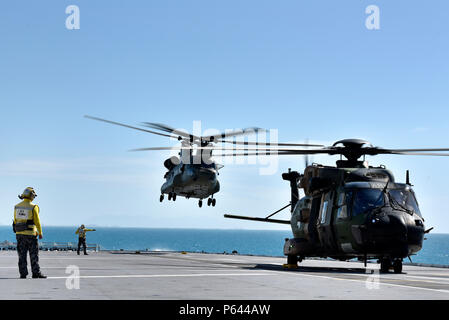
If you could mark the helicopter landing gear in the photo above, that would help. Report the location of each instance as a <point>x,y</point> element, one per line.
<point>211,202</point>
<point>200,203</point>
<point>161,198</point>
<point>397,266</point>
<point>171,196</point>
<point>385,264</point>
<point>292,262</point>
<point>292,259</point>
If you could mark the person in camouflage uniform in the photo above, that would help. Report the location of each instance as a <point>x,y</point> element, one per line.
<point>27,227</point>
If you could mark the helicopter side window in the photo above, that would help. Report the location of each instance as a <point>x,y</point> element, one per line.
<point>324,212</point>
<point>367,199</point>
<point>344,205</point>
<point>342,212</point>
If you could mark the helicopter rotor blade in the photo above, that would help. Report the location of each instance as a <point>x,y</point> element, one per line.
<point>182,148</point>
<point>352,149</point>
<point>234,133</point>
<point>278,152</point>
<point>376,151</point>
<point>371,152</point>
<point>422,154</point>
<point>211,138</point>
<point>218,148</point>
<point>166,128</point>
<point>128,126</point>
<point>155,149</point>
<point>418,150</point>
<point>266,144</point>
<point>159,126</point>
<point>219,138</point>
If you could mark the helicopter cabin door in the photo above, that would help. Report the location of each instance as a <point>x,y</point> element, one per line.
<point>343,222</point>
<point>325,221</point>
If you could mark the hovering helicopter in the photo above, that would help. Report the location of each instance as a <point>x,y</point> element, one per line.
<point>352,210</point>
<point>193,175</point>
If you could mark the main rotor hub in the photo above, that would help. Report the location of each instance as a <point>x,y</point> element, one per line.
<point>353,148</point>
<point>353,143</point>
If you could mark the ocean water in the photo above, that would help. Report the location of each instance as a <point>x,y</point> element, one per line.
<point>254,242</point>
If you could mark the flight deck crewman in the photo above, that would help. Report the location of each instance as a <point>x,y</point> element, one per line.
<point>81,232</point>
<point>27,227</point>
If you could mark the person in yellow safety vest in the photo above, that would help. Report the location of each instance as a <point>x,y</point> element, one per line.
<point>27,227</point>
<point>81,232</point>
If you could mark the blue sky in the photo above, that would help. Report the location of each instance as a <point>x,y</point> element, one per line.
<point>310,69</point>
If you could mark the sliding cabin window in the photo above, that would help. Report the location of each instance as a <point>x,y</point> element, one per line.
<point>324,211</point>
<point>344,199</point>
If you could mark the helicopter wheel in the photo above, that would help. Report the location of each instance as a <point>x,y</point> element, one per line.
<point>397,266</point>
<point>200,203</point>
<point>292,259</point>
<point>209,202</point>
<point>161,198</point>
<point>213,202</point>
<point>385,264</point>
<point>169,196</point>
<point>174,197</point>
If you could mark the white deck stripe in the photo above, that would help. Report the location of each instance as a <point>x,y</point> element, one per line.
<point>163,275</point>
<point>364,281</point>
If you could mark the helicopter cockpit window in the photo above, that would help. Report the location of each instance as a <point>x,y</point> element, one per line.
<point>404,199</point>
<point>367,199</point>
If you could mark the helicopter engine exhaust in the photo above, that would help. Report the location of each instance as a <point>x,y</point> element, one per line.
<point>293,177</point>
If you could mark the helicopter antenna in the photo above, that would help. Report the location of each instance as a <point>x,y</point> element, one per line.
<point>288,205</point>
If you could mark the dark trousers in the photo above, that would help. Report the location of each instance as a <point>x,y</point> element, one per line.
<point>25,244</point>
<point>82,241</point>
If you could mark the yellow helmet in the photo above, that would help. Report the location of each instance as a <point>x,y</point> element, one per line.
<point>28,193</point>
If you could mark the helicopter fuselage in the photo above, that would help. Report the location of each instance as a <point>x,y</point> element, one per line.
<point>352,210</point>
<point>191,181</point>
<point>355,213</point>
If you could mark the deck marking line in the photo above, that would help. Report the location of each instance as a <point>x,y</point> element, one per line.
<point>167,275</point>
<point>364,281</point>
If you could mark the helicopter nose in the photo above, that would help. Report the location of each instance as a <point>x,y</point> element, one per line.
<point>390,226</point>
<point>387,232</point>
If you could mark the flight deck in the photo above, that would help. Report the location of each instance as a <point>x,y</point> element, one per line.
<point>201,276</point>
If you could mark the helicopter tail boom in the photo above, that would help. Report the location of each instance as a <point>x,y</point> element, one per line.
<point>257,219</point>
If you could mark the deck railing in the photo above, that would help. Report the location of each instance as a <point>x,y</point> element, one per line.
<point>52,246</point>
